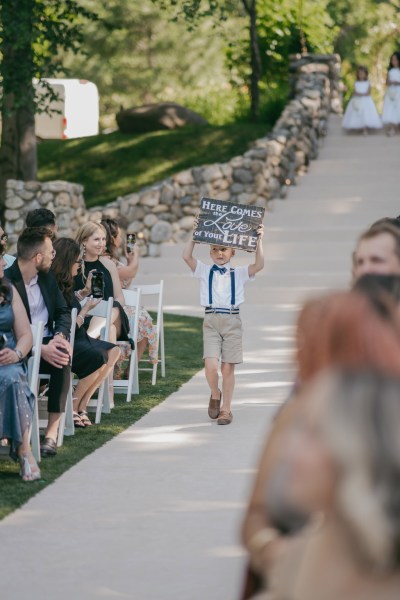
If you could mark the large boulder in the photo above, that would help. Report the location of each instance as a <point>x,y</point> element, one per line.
<point>153,117</point>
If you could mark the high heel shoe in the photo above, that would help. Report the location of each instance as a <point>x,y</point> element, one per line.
<point>29,471</point>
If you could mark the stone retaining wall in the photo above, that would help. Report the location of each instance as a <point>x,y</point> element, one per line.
<point>164,211</point>
<point>63,198</point>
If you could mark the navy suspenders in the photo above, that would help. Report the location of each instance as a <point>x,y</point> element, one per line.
<point>233,309</point>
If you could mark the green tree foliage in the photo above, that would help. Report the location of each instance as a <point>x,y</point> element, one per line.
<point>284,28</point>
<point>257,55</point>
<point>369,31</point>
<point>32,34</point>
<point>137,54</point>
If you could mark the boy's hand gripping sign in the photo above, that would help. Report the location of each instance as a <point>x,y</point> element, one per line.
<point>228,224</point>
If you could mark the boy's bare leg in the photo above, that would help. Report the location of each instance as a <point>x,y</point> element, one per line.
<point>228,385</point>
<point>211,368</point>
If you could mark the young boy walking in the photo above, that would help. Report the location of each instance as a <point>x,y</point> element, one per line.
<point>221,293</point>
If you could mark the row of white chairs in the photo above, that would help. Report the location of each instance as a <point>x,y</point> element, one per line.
<point>102,402</point>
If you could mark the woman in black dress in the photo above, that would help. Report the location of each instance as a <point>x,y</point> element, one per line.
<point>92,359</point>
<point>92,240</point>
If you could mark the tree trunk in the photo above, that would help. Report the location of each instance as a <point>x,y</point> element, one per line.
<point>255,59</point>
<point>18,142</point>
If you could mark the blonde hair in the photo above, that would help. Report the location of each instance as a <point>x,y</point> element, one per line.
<point>88,229</point>
<point>361,425</point>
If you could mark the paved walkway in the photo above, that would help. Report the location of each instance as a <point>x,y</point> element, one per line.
<point>155,513</point>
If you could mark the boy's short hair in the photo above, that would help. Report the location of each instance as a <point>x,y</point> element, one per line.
<point>40,217</point>
<point>31,240</point>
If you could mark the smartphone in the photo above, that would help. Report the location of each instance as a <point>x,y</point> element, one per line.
<point>130,242</point>
<point>98,284</point>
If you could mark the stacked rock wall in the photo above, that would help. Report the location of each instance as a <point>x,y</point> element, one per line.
<point>63,198</point>
<point>164,211</point>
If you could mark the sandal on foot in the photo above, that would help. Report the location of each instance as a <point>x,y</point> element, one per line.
<point>85,419</point>
<point>77,420</point>
<point>48,447</point>
<point>214,406</point>
<point>29,468</point>
<point>225,417</point>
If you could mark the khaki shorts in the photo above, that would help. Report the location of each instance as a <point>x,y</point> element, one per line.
<point>222,337</point>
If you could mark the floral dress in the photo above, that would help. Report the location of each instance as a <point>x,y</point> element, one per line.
<point>146,327</point>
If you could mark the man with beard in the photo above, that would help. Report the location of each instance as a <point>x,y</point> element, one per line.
<point>43,301</point>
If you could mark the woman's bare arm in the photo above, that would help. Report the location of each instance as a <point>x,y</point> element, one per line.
<point>22,328</point>
<point>117,289</point>
<point>129,271</point>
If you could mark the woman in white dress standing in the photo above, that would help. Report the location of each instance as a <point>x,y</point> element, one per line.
<point>391,103</point>
<point>361,113</point>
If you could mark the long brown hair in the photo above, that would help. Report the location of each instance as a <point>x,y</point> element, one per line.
<point>67,253</point>
<point>344,330</point>
<point>111,227</point>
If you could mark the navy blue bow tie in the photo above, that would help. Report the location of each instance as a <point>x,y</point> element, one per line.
<point>221,270</point>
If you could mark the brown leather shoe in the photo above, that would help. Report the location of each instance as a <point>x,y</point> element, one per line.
<point>225,418</point>
<point>214,407</point>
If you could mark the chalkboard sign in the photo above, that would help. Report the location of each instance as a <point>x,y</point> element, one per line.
<point>228,224</point>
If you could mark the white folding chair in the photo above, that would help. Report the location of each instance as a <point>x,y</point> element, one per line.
<point>102,402</point>
<point>33,376</point>
<point>132,299</point>
<point>33,379</point>
<point>156,290</point>
<point>66,426</point>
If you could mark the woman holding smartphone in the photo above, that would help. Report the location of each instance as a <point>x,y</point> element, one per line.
<point>147,332</point>
<point>127,272</point>
<point>91,238</point>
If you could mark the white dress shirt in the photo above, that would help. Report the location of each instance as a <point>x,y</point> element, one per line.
<point>221,285</point>
<point>37,306</point>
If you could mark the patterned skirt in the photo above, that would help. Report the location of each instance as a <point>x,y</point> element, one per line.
<point>146,330</point>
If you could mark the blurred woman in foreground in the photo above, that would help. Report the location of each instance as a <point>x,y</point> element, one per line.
<point>338,330</point>
<point>344,469</point>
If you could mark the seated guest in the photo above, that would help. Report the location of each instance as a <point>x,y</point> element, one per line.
<point>92,239</point>
<point>41,217</point>
<point>127,271</point>
<point>147,333</point>
<point>92,359</point>
<point>16,399</point>
<point>43,301</point>
<point>344,469</point>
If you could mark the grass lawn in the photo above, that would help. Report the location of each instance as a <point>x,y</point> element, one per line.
<point>117,164</point>
<point>183,343</point>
